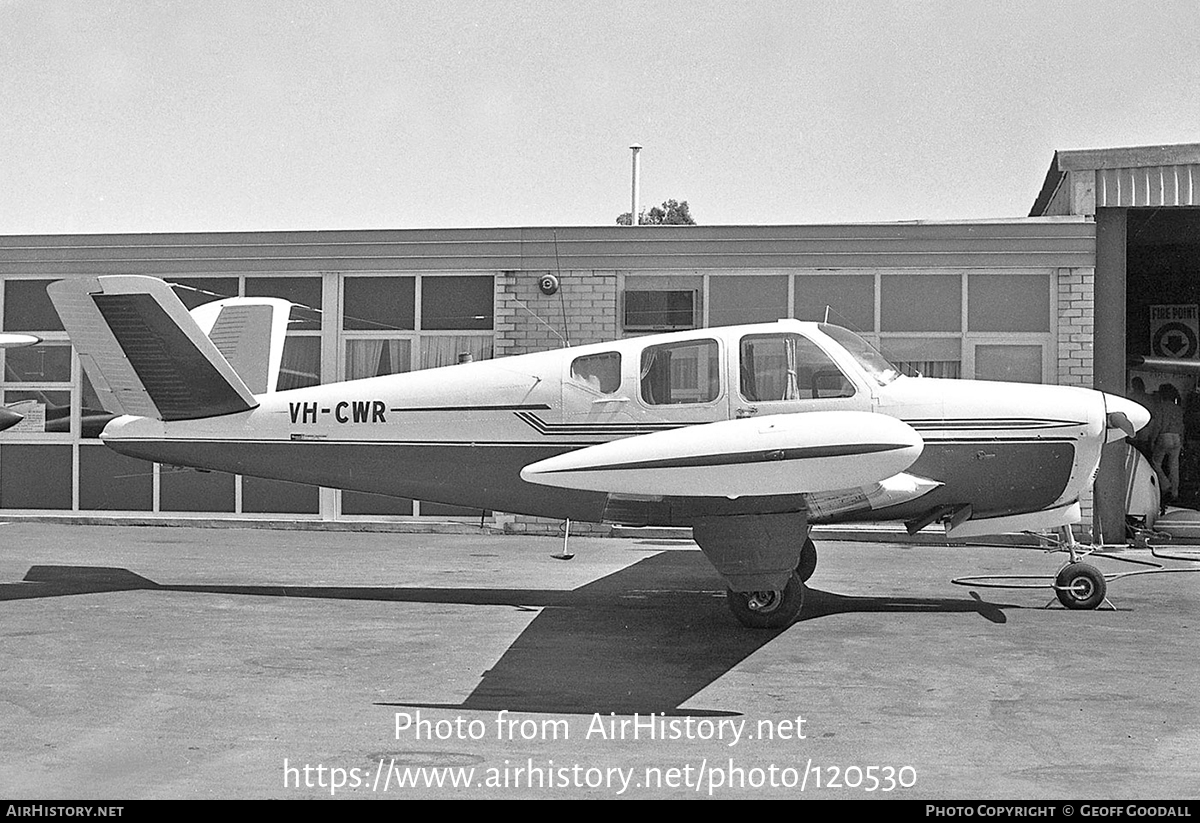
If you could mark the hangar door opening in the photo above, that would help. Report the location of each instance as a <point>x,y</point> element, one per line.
<point>1162,326</point>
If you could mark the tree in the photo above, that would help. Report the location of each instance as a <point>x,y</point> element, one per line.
<point>671,213</point>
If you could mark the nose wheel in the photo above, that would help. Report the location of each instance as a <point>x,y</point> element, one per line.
<point>1080,586</point>
<point>770,609</point>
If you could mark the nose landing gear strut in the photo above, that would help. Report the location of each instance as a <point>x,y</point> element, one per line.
<point>1077,585</point>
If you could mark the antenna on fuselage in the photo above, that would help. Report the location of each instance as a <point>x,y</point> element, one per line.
<point>843,320</point>
<point>533,314</point>
<point>561,300</point>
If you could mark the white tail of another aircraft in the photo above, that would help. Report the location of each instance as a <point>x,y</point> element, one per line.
<point>147,355</point>
<point>249,332</point>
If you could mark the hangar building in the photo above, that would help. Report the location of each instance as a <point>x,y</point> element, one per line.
<point>1062,296</point>
<point>1142,202</point>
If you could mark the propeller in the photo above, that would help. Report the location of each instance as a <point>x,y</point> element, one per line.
<point>1118,420</point>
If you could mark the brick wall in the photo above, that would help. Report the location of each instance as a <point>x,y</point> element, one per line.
<point>529,321</point>
<point>545,527</point>
<point>1076,325</point>
<point>1076,330</point>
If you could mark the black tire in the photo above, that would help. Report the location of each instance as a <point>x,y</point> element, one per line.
<point>1080,586</point>
<point>808,560</point>
<point>768,609</point>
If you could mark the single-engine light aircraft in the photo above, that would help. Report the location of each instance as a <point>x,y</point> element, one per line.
<point>747,434</point>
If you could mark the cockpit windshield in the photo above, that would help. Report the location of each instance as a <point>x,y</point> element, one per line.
<point>873,363</point>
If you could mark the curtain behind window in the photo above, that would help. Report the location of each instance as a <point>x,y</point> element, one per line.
<point>444,349</point>
<point>375,358</point>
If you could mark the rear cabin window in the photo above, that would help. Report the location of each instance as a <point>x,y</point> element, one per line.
<point>678,373</point>
<point>599,372</point>
<point>788,367</point>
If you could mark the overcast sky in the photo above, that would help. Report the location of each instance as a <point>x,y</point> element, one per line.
<point>246,115</point>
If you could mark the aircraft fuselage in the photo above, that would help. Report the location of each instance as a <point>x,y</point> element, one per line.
<point>463,434</point>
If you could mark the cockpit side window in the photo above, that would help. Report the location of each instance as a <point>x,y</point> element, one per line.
<point>599,372</point>
<point>788,367</point>
<point>677,373</point>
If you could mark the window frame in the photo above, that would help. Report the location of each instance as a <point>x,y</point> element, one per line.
<point>718,358</point>
<point>694,296</point>
<point>848,378</point>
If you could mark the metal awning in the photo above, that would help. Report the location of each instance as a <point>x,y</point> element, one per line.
<point>1081,181</point>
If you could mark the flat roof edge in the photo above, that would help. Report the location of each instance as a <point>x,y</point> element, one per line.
<point>1130,157</point>
<point>510,232</point>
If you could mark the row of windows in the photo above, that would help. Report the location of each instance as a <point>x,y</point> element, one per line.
<point>933,324</point>
<point>771,367</point>
<point>448,303</point>
<point>392,325</point>
<point>907,302</point>
<point>41,477</point>
<point>387,325</point>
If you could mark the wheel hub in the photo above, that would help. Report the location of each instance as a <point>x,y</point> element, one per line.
<point>763,602</point>
<point>1081,588</point>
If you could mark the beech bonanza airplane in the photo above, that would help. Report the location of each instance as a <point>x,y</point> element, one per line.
<point>748,434</point>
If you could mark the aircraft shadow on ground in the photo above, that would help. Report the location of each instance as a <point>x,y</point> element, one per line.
<point>644,639</point>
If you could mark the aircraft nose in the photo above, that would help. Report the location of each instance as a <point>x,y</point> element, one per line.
<point>1124,414</point>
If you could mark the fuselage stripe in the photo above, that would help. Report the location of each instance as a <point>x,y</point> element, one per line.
<point>572,444</point>
<point>509,407</point>
<point>740,458</point>
<point>542,427</point>
<point>1011,423</point>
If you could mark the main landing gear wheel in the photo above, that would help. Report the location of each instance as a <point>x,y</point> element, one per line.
<point>771,609</point>
<point>1080,586</point>
<point>808,560</point>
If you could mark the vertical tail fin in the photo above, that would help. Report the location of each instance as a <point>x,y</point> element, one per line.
<point>250,333</point>
<point>143,351</point>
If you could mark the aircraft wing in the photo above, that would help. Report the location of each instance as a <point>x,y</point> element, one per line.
<point>12,340</point>
<point>805,452</point>
<point>8,416</point>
